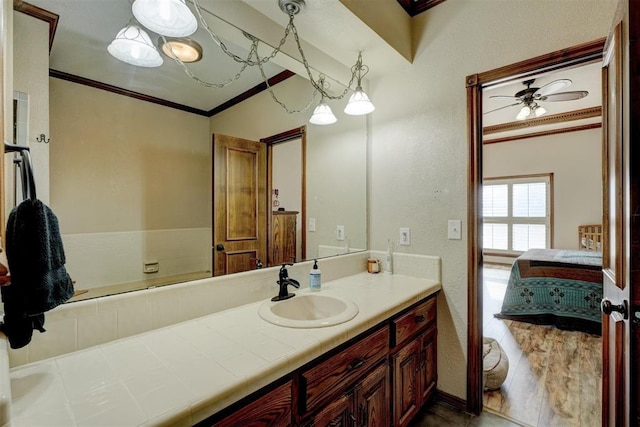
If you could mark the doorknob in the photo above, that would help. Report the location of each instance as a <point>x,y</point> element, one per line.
<point>219,247</point>
<point>617,311</point>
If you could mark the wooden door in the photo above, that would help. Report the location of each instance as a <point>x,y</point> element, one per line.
<point>622,243</point>
<point>239,204</point>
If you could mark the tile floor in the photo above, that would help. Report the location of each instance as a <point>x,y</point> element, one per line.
<point>442,415</point>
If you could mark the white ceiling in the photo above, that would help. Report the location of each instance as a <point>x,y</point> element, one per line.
<point>86,28</point>
<point>331,35</point>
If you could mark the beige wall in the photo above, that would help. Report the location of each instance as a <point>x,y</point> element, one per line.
<point>575,159</point>
<point>419,131</point>
<point>130,183</point>
<point>336,158</point>
<point>120,164</point>
<point>31,71</point>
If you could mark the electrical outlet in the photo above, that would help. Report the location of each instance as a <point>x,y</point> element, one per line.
<point>150,267</point>
<point>405,236</point>
<point>340,232</point>
<point>312,224</point>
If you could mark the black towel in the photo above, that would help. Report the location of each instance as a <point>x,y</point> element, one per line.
<point>39,280</point>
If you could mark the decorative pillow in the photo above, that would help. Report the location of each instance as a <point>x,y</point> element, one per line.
<point>495,364</point>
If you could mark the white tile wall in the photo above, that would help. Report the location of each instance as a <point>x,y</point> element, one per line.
<point>83,324</point>
<point>177,251</point>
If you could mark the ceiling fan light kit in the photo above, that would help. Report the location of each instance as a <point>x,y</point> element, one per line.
<point>530,97</point>
<point>173,20</point>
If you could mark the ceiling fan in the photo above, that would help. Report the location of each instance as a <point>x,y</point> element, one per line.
<point>531,96</point>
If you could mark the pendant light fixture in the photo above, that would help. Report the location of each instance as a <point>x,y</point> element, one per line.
<point>359,103</point>
<point>174,21</point>
<point>322,114</point>
<point>171,18</point>
<point>133,46</point>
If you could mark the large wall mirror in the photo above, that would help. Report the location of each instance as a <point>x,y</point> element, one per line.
<point>129,165</point>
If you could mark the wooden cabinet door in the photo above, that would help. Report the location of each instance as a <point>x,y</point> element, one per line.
<point>372,398</point>
<point>338,413</point>
<point>406,387</point>
<point>270,410</point>
<point>428,369</point>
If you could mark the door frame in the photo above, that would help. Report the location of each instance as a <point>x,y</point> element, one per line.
<point>286,136</point>
<point>475,83</point>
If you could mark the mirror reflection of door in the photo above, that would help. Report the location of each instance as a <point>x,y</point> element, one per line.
<point>286,178</point>
<point>239,204</point>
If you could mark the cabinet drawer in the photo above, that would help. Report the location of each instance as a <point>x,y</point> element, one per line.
<point>335,373</point>
<point>414,320</point>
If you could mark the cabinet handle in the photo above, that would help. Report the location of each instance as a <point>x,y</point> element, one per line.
<point>420,318</point>
<point>355,363</point>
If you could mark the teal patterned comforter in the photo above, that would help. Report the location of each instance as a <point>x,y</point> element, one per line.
<point>556,286</point>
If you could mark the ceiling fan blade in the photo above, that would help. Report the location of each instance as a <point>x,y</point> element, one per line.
<point>565,96</point>
<point>552,87</point>
<point>504,97</point>
<point>501,108</point>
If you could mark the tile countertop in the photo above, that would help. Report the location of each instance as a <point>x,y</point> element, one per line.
<point>183,373</point>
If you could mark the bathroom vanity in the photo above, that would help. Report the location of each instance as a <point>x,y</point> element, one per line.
<point>234,368</point>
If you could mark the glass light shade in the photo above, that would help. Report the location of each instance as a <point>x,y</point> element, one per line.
<point>171,18</point>
<point>133,46</point>
<point>524,113</point>
<point>539,111</point>
<point>323,115</point>
<point>185,49</point>
<point>359,104</point>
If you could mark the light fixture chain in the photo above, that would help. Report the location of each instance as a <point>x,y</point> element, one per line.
<point>275,98</point>
<point>308,69</point>
<point>358,70</point>
<point>210,84</point>
<point>233,56</point>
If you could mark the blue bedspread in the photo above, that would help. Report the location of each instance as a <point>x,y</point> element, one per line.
<point>556,286</point>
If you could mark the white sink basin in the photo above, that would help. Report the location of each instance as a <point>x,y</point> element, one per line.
<point>308,311</point>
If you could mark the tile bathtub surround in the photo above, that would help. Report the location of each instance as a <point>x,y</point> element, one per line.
<point>181,374</point>
<point>84,324</point>
<point>177,251</point>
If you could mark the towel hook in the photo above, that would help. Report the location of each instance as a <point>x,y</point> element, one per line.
<point>43,138</point>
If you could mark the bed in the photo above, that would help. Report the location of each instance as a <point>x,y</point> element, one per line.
<point>558,287</point>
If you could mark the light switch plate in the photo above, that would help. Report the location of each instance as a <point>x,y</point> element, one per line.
<point>340,232</point>
<point>455,229</point>
<point>312,224</point>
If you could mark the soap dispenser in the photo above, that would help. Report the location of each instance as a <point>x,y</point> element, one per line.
<point>315,276</point>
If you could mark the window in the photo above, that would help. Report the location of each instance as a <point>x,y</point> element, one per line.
<point>516,213</point>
